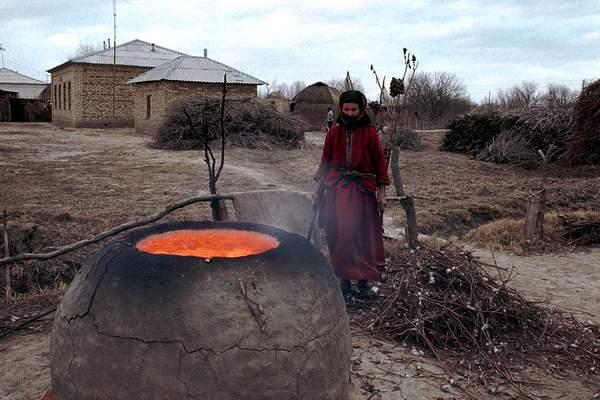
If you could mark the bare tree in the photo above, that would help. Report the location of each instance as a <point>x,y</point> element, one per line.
<point>558,96</point>
<point>282,90</point>
<point>294,88</point>
<point>519,96</point>
<point>394,103</point>
<point>342,84</point>
<point>85,48</point>
<point>437,94</point>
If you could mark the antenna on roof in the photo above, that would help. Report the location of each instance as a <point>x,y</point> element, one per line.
<point>114,61</point>
<point>2,50</point>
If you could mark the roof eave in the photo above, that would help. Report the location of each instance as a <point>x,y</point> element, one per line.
<point>214,83</point>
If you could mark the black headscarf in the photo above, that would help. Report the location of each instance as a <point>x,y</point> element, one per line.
<point>356,97</point>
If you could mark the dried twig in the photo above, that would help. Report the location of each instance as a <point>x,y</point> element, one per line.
<point>113,231</point>
<point>255,308</point>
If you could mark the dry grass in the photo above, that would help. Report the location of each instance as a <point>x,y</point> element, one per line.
<point>506,234</point>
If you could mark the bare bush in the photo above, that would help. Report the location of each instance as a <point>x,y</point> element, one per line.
<point>408,139</point>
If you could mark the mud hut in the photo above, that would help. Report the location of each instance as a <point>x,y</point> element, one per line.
<point>313,102</point>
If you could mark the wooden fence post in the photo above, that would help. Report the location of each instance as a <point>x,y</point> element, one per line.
<point>7,286</point>
<point>533,227</point>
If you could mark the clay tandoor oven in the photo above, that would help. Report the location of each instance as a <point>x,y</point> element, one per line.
<point>203,310</point>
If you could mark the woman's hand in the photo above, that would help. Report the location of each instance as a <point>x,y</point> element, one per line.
<point>381,202</point>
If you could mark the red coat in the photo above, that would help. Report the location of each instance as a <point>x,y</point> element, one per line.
<point>352,223</point>
<point>367,156</point>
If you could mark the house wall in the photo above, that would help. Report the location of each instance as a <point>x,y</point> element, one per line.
<point>25,91</point>
<point>92,95</point>
<point>96,96</point>
<point>64,111</point>
<point>163,94</point>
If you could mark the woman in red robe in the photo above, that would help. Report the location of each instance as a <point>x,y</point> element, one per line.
<point>353,172</point>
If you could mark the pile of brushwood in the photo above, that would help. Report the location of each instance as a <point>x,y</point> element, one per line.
<point>246,122</point>
<point>407,139</point>
<point>583,146</point>
<point>581,233</point>
<point>509,137</point>
<point>453,306</point>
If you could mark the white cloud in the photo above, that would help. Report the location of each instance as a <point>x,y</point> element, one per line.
<point>592,36</point>
<point>63,40</point>
<point>484,43</point>
<point>441,30</point>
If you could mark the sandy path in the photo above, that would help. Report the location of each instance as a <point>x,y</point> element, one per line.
<point>571,282</point>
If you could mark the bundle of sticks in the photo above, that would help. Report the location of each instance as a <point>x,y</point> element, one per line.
<point>583,146</point>
<point>510,137</point>
<point>247,123</point>
<point>452,304</point>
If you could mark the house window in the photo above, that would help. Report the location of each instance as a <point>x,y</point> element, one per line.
<point>64,95</point>
<point>148,106</point>
<point>69,93</point>
<point>58,103</point>
<point>55,98</point>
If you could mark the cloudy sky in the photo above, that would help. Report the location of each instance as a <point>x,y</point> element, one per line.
<point>489,45</point>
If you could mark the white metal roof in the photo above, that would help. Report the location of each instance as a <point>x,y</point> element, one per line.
<point>135,53</point>
<point>13,77</point>
<point>196,69</point>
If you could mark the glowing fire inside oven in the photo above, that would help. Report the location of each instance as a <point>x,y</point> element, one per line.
<point>208,243</point>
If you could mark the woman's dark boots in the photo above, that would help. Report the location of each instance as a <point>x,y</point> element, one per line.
<point>363,289</point>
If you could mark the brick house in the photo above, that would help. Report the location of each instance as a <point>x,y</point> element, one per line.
<point>82,87</point>
<point>186,76</point>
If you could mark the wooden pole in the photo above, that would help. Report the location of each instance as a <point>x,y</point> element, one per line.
<point>114,113</point>
<point>533,227</point>
<point>7,286</point>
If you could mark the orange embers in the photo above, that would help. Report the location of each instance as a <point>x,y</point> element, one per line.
<point>208,243</point>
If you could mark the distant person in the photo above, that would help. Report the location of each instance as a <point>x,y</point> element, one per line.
<point>352,179</point>
<point>329,118</point>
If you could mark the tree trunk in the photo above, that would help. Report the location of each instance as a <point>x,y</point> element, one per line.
<point>406,201</point>
<point>219,210</point>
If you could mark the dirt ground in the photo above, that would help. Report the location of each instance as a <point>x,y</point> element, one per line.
<point>72,184</point>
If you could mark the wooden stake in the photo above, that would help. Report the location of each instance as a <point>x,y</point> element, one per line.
<point>536,203</point>
<point>7,286</point>
<point>406,201</point>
